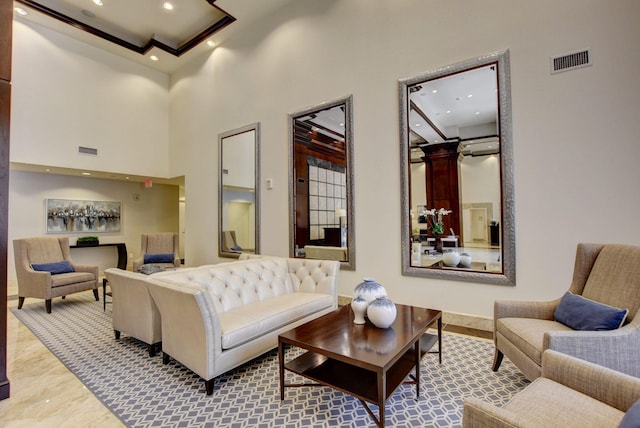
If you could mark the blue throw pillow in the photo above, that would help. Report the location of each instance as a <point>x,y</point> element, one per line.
<point>631,419</point>
<point>158,258</point>
<point>54,268</point>
<point>580,313</point>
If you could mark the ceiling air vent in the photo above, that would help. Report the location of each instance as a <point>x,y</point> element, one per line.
<point>87,151</point>
<point>571,61</point>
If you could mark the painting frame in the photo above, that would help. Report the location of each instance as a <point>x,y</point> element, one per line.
<point>82,216</point>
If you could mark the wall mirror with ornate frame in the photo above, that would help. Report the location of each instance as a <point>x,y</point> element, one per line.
<point>457,173</point>
<point>321,183</point>
<point>238,191</point>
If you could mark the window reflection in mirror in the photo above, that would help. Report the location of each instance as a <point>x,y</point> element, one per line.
<point>239,198</point>
<point>321,183</point>
<point>457,184</point>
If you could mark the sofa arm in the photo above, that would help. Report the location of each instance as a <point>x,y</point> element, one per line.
<point>88,269</point>
<point>603,384</point>
<point>478,414</point>
<point>616,349</point>
<point>315,276</point>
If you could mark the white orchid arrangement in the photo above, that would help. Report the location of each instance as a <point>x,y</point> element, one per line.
<point>436,219</point>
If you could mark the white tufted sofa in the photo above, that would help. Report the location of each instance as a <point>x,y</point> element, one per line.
<point>216,317</point>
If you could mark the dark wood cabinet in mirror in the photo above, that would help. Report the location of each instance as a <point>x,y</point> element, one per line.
<point>457,172</point>
<point>321,183</point>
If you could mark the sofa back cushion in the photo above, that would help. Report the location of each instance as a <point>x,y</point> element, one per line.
<point>235,284</point>
<point>44,250</point>
<point>615,278</point>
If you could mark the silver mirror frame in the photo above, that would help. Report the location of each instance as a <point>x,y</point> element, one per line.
<point>508,276</point>
<point>351,232</point>
<point>256,169</point>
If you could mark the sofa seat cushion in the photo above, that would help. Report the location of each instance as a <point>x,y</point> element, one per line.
<point>527,334</point>
<point>71,278</point>
<point>539,404</point>
<point>245,323</point>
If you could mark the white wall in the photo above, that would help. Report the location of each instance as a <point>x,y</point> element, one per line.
<point>68,94</point>
<point>574,133</point>
<point>154,209</point>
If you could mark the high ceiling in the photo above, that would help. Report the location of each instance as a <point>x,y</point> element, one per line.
<point>142,29</point>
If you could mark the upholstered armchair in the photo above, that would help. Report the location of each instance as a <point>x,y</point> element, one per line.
<point>159,249</point>
<point>45,270</point>
<point>607,274</point>
<point>571,393</point>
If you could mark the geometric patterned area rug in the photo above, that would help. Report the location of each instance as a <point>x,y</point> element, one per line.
<point>143,392</point>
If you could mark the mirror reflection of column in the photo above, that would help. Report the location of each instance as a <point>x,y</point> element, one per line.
<point>457,184</point>
<point>321,183</point>
<point>239,197</point>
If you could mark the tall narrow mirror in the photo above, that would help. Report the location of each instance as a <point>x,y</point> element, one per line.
<point>321,183</point>
<point>238,194</point>
<point>457,175</point>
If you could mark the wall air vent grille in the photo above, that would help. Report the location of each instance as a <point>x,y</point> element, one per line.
<point>571,61</point>
<point>87,151</point>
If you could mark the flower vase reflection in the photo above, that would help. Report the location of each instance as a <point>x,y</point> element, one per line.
<point>371,339</point>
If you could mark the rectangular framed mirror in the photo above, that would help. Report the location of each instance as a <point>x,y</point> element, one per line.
<point>321,183</point>
<point>457,172</point>
<point>239,191</point>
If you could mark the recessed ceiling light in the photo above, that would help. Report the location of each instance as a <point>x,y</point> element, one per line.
<point>470,95</point>
<point>477,112</point>
<point>98,2</point>
<point>417,124</point>
<point>448,111</point>
<point>20,11</point>
<point>435,91</point>
<point>167,5</point>
<point>211,43</point>
<point>86,173</point>
<point>48,169</point>
<point>153,58</point>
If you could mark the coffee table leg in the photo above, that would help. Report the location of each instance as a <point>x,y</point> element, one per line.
<point>382,390</point>
<point>416,351</point>
<point>281,368</point>
<point>440,340</point>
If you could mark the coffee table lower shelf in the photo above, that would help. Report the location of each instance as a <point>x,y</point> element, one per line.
<point>353,380</point>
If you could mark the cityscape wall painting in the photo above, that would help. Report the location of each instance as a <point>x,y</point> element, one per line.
<point>68,216</point>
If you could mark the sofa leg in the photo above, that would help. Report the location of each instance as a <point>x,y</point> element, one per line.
<point>165,358</point>
<point>117,334</point>
<point>20,302</point>
<point>209,386</point>
<point>95,294</point>
<point>47,304</point>
<point>497,360</point>
<point>152,350</point>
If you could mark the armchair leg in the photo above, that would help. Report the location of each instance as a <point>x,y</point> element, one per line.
<point>497,360</point>
<point>165,358</point>
<point>117,334</point>
<point>152,350</point>
<point>209,386</point>
<point>47,304</point>
<point>95,294</point>
<point>20,302</point>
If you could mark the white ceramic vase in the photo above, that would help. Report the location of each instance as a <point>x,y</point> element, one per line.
<point>382,312</point>
<point>359,308</point>
<point>465,260</point>
<point>369,289</point>
<point>451,258</point>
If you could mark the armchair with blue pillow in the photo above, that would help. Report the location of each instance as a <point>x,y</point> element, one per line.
<point>597,320</point>
<point>45,270</point>
<point>159,250</point>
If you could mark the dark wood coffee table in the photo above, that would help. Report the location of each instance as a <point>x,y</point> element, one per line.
<point>361,360</point>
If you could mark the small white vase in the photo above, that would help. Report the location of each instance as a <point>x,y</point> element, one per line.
<point>465,260</point>
<point>359,308</point>
<point>369,289</point>
<point>451,258</point>
<point>382,312</point>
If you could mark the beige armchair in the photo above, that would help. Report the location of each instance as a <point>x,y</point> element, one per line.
<point>608,274</point>
<point>43,284</point>
<point>571,392</point>
<point>159,243</point>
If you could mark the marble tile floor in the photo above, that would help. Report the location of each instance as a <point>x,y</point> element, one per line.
<point>44,393</point>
